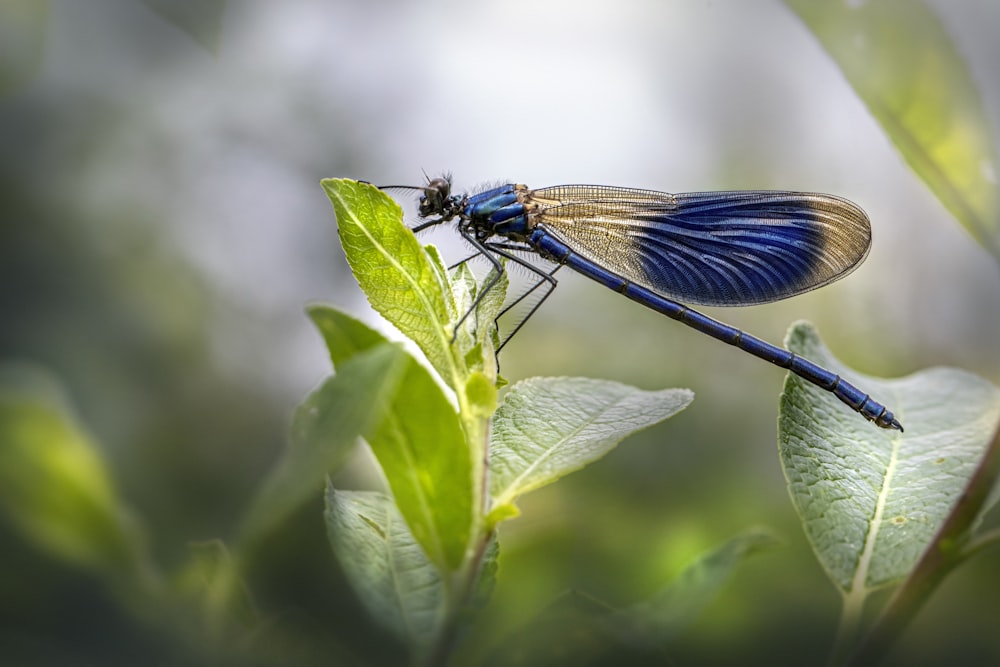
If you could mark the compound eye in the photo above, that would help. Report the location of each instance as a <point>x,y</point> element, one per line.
<point>435,195</point>
<point>438,188</point>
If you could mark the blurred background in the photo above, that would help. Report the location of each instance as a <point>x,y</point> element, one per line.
<point>162,228</point>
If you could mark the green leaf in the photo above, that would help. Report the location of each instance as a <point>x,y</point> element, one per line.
<point>903,65</point>
<point>549,427</point>
<point>478,338</point>
<point>199,19</point>
<point>345,336</point>
<point>402,282</point>
<point>54,486</point>
<point>673,610</point>
<point>324,430</point>
<point>388,570</point>
<point>423,452</point>
<point>872,500</point>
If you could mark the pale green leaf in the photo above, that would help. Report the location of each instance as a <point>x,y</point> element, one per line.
<point>324,430</point>
<point>871,500</point>
<point>388,570</point>
<point>905,68</point>
<point>549,427</point>
<point>400,279</point>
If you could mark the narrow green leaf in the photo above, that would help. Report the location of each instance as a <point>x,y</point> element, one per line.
<point>344,335</point>
<point>325,429</point>
<point>488,334</point>
<point>578,629</point>
<point>673,610</point>
<point>905,68</point>
<point>437,263</point>
<point>388,570</point>
<point>549,427</point>
<point>423,452</point>
<point>200,19</point>
<point>400,279</point>
<point>491,305</point>
<point>464,288</point>
<point>572,630</point>
<point>54,486</point>
<point>871,500</point>
<point>479,328</point>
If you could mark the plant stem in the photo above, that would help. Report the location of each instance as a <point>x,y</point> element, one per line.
<point>849,626</point>
<point>459,593</point>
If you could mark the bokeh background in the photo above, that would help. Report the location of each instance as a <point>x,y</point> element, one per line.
<point>162,228</point>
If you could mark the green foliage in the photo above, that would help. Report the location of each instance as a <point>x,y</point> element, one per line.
<point>884,511</point>
<point>871,500</point>
<point>905,68</point>
<point>878,507</point>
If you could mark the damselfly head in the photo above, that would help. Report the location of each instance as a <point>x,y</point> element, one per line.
<point>436,194</point>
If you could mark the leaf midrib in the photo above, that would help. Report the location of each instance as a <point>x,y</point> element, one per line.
<point>859,582</point>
